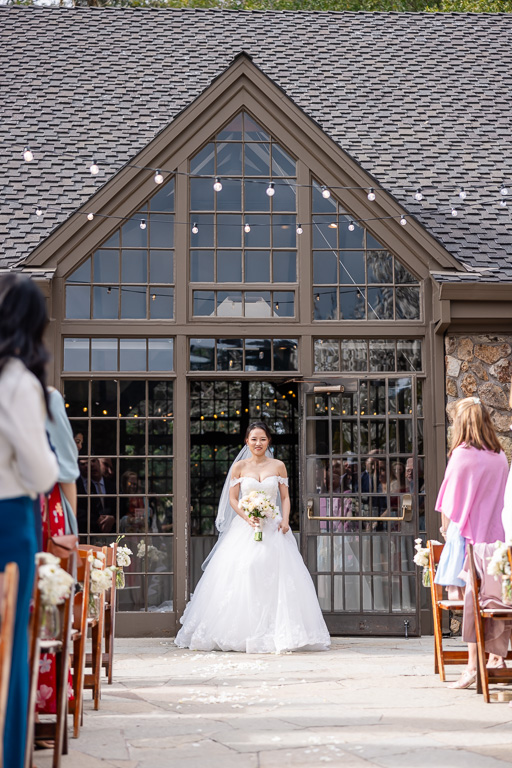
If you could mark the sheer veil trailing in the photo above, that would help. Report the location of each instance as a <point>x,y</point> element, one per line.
<point>225,512</point>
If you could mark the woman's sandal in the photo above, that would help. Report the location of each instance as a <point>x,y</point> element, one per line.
<point>465,680</point>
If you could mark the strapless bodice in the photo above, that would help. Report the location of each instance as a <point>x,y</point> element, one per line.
<point>270,485</point>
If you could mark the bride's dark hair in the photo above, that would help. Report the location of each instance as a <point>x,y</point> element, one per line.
<point>259,425</point>
<point>23,320</point>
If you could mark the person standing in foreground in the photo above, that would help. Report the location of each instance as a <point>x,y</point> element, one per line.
<point>256,595</point>
<point>27,467</point>
<point>471,501</point>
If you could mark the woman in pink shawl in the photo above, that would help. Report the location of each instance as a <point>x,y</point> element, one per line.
<point>471,501</point>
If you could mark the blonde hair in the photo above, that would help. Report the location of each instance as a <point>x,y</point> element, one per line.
<point>472,426</point>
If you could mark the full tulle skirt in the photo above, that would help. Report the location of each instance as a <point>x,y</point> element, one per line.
<point>254,597</point>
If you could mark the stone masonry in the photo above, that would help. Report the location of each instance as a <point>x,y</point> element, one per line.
<point>481,366</point>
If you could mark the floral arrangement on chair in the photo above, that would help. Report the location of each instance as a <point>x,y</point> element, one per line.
<point>123,560</point>
<point>100,580</point>
<point>54,585</point>
<point>421,560</point>
<point>499,565</point>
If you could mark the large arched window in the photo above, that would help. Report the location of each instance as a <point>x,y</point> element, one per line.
<point>243,257</point>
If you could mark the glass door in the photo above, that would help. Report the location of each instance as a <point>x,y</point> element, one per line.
<point>363,496</point>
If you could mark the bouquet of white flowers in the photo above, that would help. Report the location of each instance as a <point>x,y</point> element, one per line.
<point>499,565</point>
<point>54,583</point>
<point>257,504</point>
<point>101,578</point>
<point>154,556</point>
<point>421,559</point>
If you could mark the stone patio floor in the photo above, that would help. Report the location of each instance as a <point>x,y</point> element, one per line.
<point>367,702</point>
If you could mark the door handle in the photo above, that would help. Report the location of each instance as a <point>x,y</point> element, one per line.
<point>405,516</point>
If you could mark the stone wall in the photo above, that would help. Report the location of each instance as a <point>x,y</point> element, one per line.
<point>481,366</point>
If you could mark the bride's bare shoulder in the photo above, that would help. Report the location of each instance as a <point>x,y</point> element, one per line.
<point>280,468</point>
<point>237,468</point>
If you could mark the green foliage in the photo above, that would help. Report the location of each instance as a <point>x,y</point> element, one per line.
<point>470,6</point>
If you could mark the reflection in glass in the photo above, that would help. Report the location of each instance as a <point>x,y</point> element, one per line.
<point>160,398</point>
<point>257,267</point>
<point>132,396</point>
<point>132,355</point>
<point>78,302</point>
<point>202,354</point>
<point>408,355</point>
<point>159,475</point>
<point>160,432</point>
<point>257,304</point>
<point>229,159</point>
<point>76,398</point>
<point>354,355</point>
<point>161,302</point>
<point>408,303</point>
<point>258,354</point>
<point>132,437</point>
<point>203,163</point>
<point>76,354</point>
<point>160,354</point>
<point>352,304</point>
<point>286,357</point>
<point>133,302</point>
<point>380,303</point>
<point>325,303</point>
<point>382,355</point>
<point>327,355</point>
<point>283,231</point>
<point>229,354</point>
<point>104,396</point>
<point>351,267</point>
<point>257,160</point>
<point>284,303</point>
<point>204,303</point>
<point>229,304</point>
<point>380,267</point>
<point>104,354</point>
<point>106,266</point>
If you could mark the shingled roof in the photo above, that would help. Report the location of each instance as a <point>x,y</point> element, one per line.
<point>417,99</point>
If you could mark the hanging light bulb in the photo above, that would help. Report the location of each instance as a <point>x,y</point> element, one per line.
<point>217,185</point>
<point>419,195</point>
<point>271,189</point>
<point>317,297</point>
<point>351,226</point>
<point>503,203</point>
<point>158,177</point>
<point>333,225</point>
<point>28,155</point>
<point>94,168</point>
<point>90,216</point>
<point>277,305</point>
<point>109,290</point>
<point>39,212</point>
<point>371,194</point>
<point>299,229</point>
<point>142,224</point>
<point>463,194</point>
<point>153,297</point>
<point>247,228</point>
<point>195,228</point>
<point>403,221</point>
<point>326,193</point>
<point>455,212</point>
<point>504,189</point>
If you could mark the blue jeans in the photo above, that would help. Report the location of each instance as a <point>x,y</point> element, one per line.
<point>18,545</point>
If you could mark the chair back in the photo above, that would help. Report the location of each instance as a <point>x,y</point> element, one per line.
<point>8,597</point>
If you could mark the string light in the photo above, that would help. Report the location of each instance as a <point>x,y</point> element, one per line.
<point>94,168</point>
<point>247,228</point>
<point>503,203</point>
<point>142,224</point>
<point>371,195</point>
<point>462,193</point>
<point>419,195</point>
<point>455,212</point>
<point>403,221</point>
<point>326,193</point>
<point>153,297</point>
<point>195,228</point>
<point>351,226</point>
<point>217,185</point>
<point>90,216</point>
<point>504,189</point>
<point>109,290</point>
<point>39,212</point>
<point>158,177</point>
<point>28,155</point>
<point>271,189</point>
<point>333,225</point>
<point>299,229</point>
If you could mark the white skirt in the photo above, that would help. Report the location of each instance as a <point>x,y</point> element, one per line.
<point>254,597</point>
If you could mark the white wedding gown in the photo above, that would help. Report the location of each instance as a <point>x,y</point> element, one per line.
<point>255,596</point>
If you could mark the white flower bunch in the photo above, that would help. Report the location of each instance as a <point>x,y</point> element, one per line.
<point>258,504</point>
<point>54,583</point>
<point>152,552</point>
<point>123,556</point>
<point>101,580</point>
<point>499,563</point>
<point>421,556</point>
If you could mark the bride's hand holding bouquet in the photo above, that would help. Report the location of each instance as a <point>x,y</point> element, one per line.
<point>258,506</point>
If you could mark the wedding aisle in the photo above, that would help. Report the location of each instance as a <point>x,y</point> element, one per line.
<point>367,702</point>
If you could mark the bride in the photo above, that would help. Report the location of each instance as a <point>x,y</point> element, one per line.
<point>254,596</point>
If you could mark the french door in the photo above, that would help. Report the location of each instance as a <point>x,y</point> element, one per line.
<point>363,493</point>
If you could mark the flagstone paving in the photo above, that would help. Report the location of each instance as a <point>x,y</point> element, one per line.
<point>367,702</point>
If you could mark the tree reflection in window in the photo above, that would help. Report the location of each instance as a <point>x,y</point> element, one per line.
<point>354,276</point>
<point>243,234</point>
